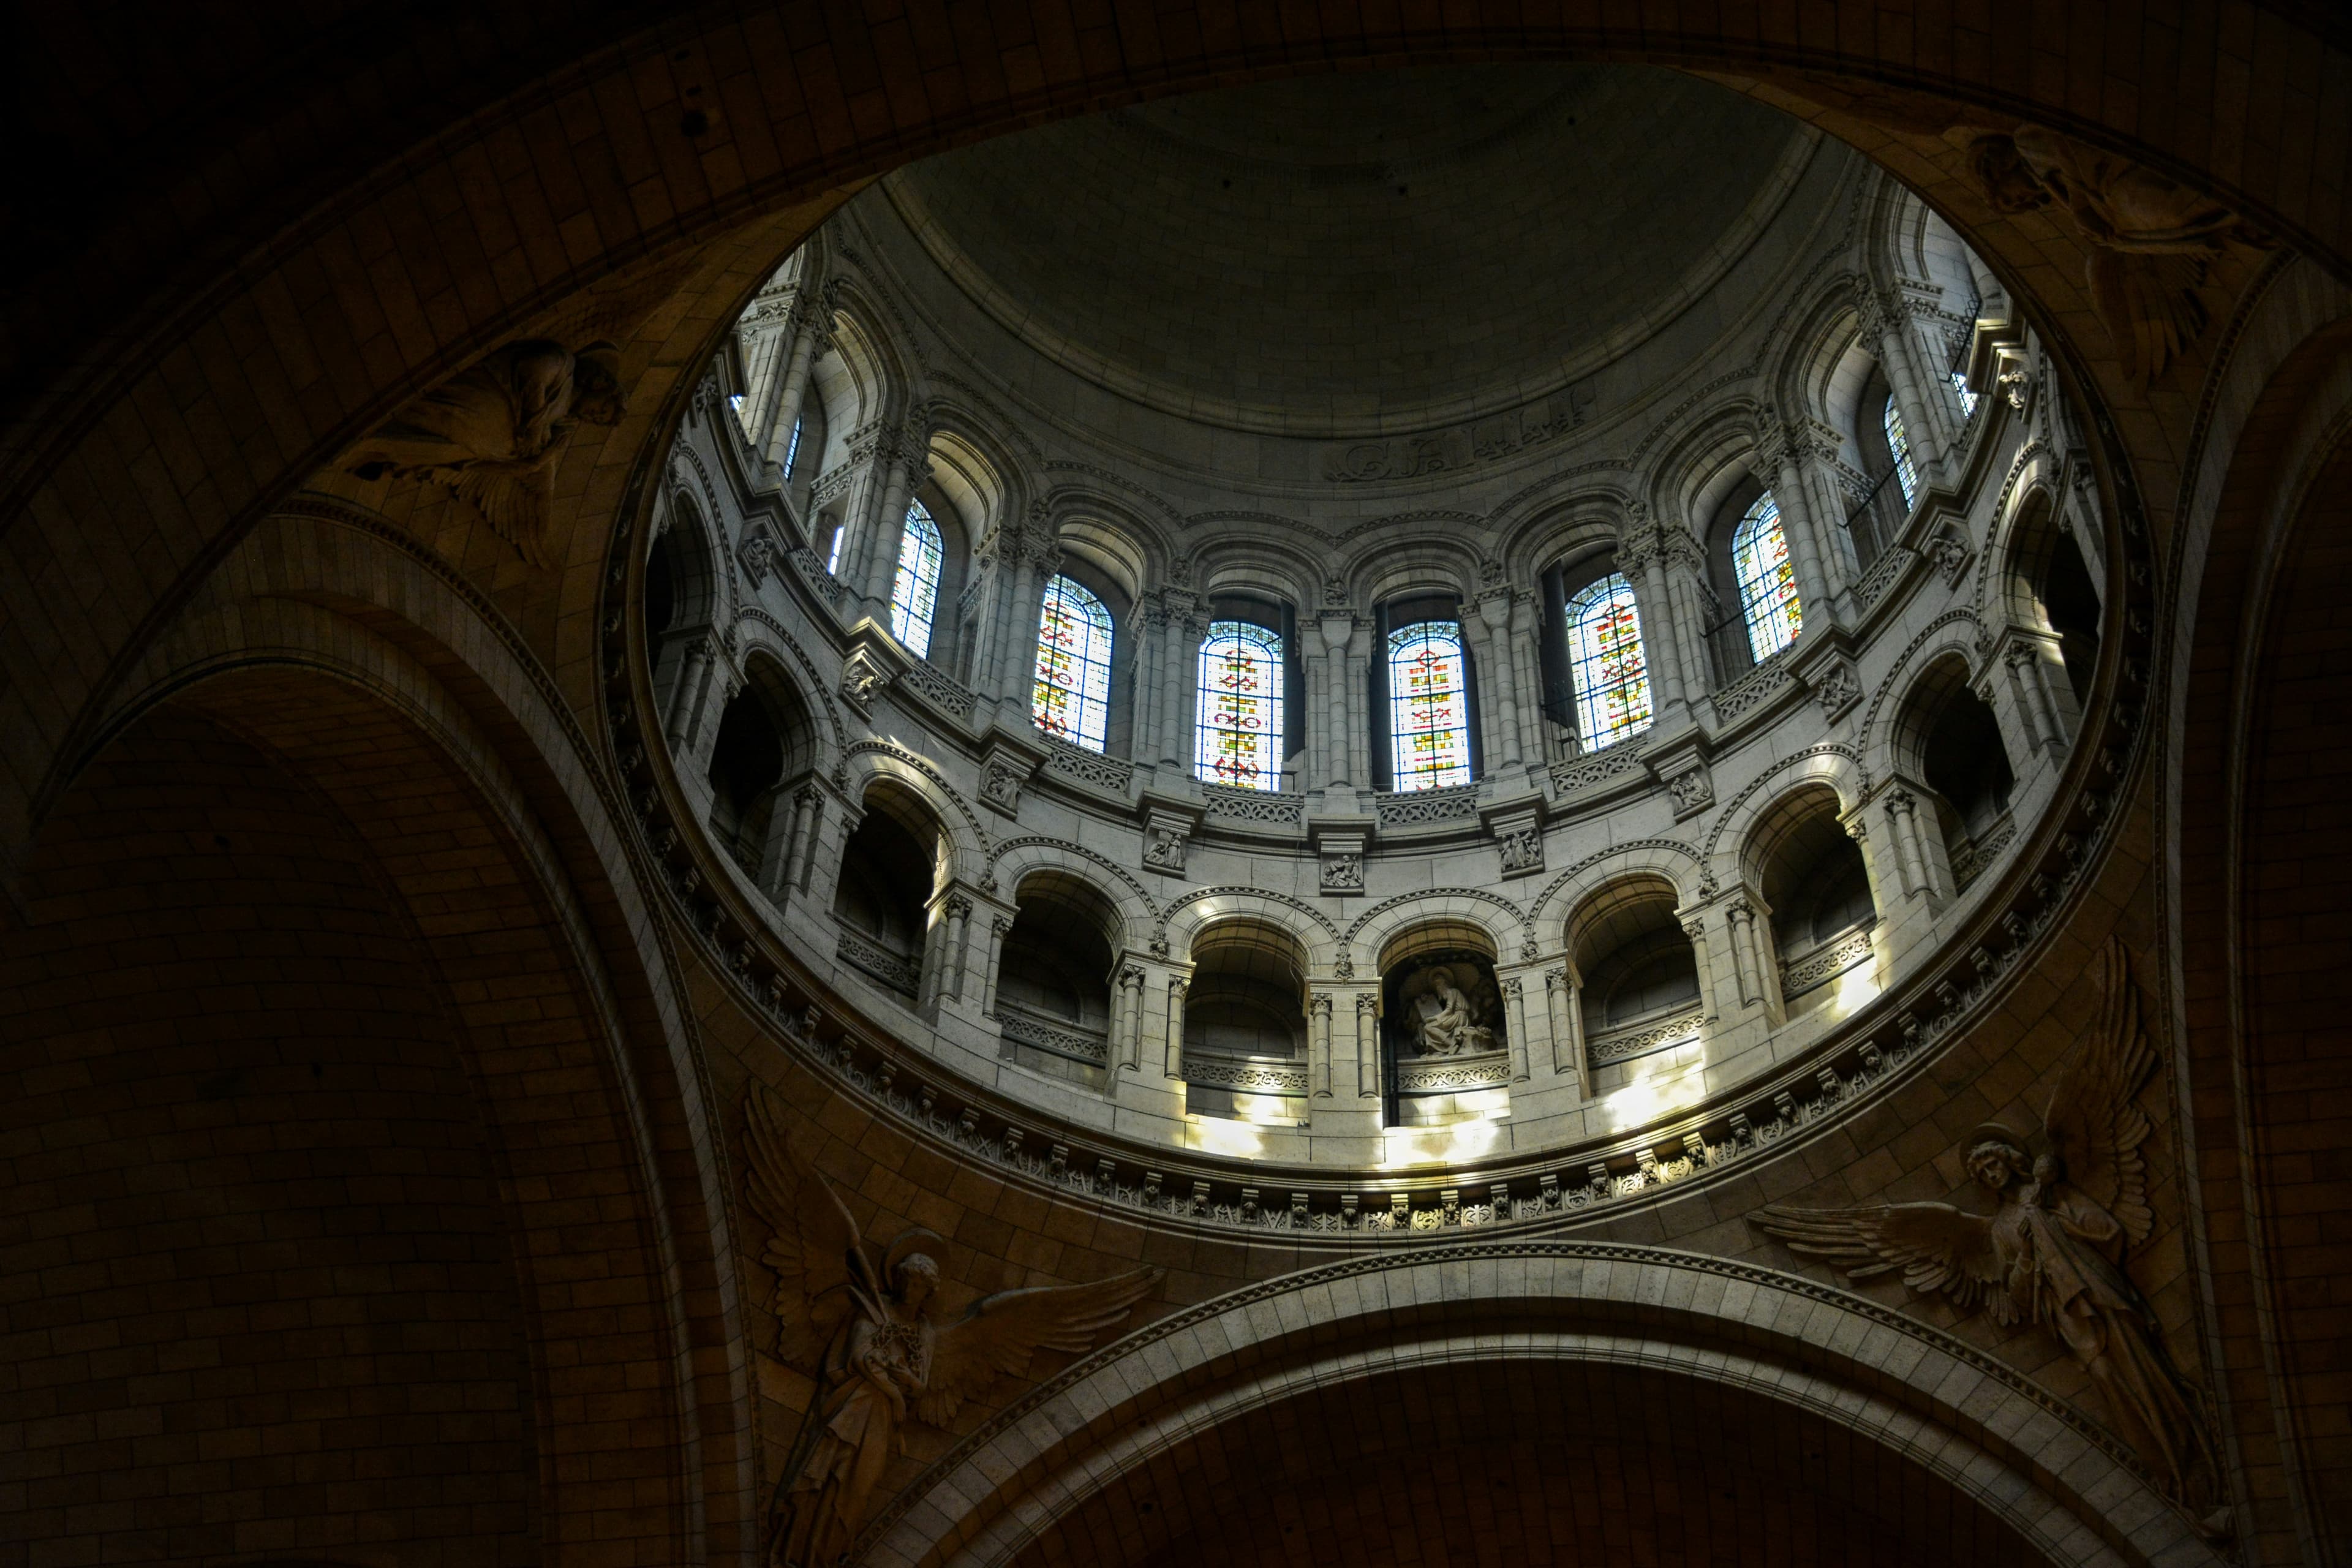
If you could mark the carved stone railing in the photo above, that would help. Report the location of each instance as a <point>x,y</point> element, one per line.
<point>1059,1039</point>
<point>1260,805</point>
<point>1087,767</point>
<point>810,567</point>
<point>1622,1044</point>
<point>1763,681</point>
<point>1971,858</point>
<point>1616,763</point>
<point>941,689</point>
<point>1250,1077</point>
<point>1418,808</point>
<point>1883,573</point>
<point>1446,1075</point>
<point>1810,971</point>
<point>904,975</point>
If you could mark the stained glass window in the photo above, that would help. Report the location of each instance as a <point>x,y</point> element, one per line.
<point>1604,654</point>
<point>1768,582</point>
<point>1429,707</point>
<point>1906,474</point>
<point>833,551</point>
<point>1967,398</point>
<point>1072,701</point>
<point>1240,728</point>
<point>792,448</point>
<point>915,591</point>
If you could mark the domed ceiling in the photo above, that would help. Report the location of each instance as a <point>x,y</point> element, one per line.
<point>1360,254</point>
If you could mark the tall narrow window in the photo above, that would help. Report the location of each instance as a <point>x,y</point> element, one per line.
<point>1240,729</point>
<point>1072,701</point>
<point>1906,473</point>
<point>1768,582</point>
<point>1429,707</point>
<point>1604,655</point>
<point>1967,398</point>
<point>915,591</point>
<point>833,551</point>
<point>793,447</point>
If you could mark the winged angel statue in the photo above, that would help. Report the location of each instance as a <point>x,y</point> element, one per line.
<point>867,1330</point>
<point>2051,1251</point>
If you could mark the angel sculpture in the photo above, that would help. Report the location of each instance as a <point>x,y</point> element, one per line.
<point>868,1335</point>
<point>2150,240</point>
<point>2051,1253</point>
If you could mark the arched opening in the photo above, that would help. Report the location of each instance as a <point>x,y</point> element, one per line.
<point>881,904</point>
<point>1636,975</point>
<point>765,740</point>
<point>1245,1054</point>
<point>1445,1041</point>
<point>1053,981</point>
<point>681,596</point>
<point>1813,878</point>
<point>1948,738</point>
<point>2051,590</point>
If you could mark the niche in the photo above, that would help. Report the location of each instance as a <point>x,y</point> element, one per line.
<point>1638,987</point>
<point>1813,880</point>
<point>1443,1039</point>
<point>679,592</point>
<point>1245,1055</point>
<point>882,900</point>
<point>1052,980</point>
<point>765,737</point>
<point>2051,589</point>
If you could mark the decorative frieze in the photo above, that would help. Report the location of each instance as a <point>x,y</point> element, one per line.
<point>1421,809</point>
<point>938,689</point>
<point>1055,1040</point>
<point>1255,805</point>
<point>1824,964</point>
<point>900,973</point>
<point>1250,1077</point>
<point>1641,1040</point>
<point>1066,761</point>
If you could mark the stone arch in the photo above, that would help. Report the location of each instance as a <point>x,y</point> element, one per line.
<point>1498,920</point>
<point>1133,917</point>
<point>497,763</point>
<point>1540,526</point>
<point>1944,736</point>
<point>1953,632</point>
<point>1900,1386</point>
<point>1670,858</point>
<point>965,858</point>
<point>1316,937</point>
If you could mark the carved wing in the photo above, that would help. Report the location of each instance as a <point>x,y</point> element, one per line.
<point>1000,1332</point>
<point>2148,304</point>
<point>2094,1129</point>
<point>812,1245</point>
<point>1936,1247</point>
<point>512,498</point>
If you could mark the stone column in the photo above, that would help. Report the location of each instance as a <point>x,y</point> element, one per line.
<point>1886,319</point>
<point>1807,519</point>
<point>1750,954</point>
<point>1179,678</point>
<point>898,458</point>
<point>999,927</point>
<point>1368,1045</point>
<point>721,686</point>
<point>813,312</point>
<point>1330,758</point>
<point>1642,560</point>
<point>1355,698</point>
<point>1515,1014</point>
<point>1318,1045</point>
<point>1498,618</point>
<point>687,694</point>
<point>1126,1017</point>
<point>1173,1065</point>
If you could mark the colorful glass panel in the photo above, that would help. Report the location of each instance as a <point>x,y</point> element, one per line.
<point>1906,474</point>
<point>1240,726</point>
<point>1429,707</point>
<point>1768,581</point>
<point>1605,651</point>
<point>1072,701</point>
<point>914,594</point>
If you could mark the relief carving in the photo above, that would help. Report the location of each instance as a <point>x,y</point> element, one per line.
<point>491,436</point>
<point>1450,1011</point>
<point>2052,1250</point>
<point>2151,240</point>
<point>867,1329</point>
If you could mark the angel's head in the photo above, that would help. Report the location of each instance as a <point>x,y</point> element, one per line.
<point>917,1277</point>
<point>1997,1158</point>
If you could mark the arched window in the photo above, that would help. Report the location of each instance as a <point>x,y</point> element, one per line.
<point>1240,729</point>
<point>1967,398</point>
<point>1429,707</point>
<point>1604,658</point>
<point>1899,447</point>
<point>915,594</point>
<point>1768,582</point>
<point>1074,635</point>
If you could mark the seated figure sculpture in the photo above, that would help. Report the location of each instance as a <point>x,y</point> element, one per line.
<point>1446,1022</point>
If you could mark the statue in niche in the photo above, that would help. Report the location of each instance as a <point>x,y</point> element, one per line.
<point>1452,1011</point>
<point>2052,1250</point>
<point>2150,240</point>
<point>868,1332</point>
